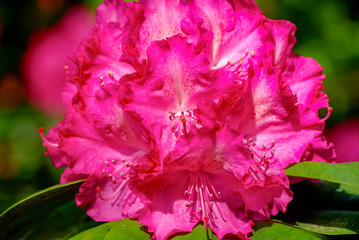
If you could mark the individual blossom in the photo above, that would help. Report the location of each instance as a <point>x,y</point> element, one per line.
<point>187,112</point>
<point>46,59</point>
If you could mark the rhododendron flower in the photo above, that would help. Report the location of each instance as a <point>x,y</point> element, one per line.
<point>47,58</point>
<point>185,112</point>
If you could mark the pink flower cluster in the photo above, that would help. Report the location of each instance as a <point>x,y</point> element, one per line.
<point>180,112</point>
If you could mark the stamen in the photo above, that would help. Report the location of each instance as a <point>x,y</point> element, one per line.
<point>41,131</point>
<point>260,155</point>
<point>110,74</point>
<point>182,124</point>
<point>203,206</point>
<point>330,109</point>
<point>99,189</point>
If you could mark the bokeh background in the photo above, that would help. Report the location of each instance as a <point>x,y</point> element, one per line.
<point>37,36</point>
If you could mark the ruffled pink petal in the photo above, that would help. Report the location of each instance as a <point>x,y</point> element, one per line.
<point>97,58</point>
<point>102,133</point>
<point>245,38</point>
<point>154,28</point>
<point>53,148</point>
<point>269,111</point>
<point>305,77</point>
<point>69,176</point>
<point>212,151</point>
<point>168,213</point>
<point>266,197</point>
<point>280,41</point>
<point>169,86</point>
<point>229,209</point>
<point>106,200</point>
<point>319,150</point>
<point>111,11</point>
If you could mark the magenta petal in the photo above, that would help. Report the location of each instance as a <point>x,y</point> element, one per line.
<point>106,200</point>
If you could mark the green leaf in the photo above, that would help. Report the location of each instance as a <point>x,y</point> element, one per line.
<point>95,233</point>
<point>127,229</point>
<point>274,230</point>
<point>324,229</point>
<point>22,216</point>
<point>130,229</point>
<point>116,230</point>
<point>349,189</point>
<point>330,222</point>
<point>346,174</point>
<point>198,232</point>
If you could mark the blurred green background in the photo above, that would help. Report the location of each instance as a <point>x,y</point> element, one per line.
<point>328,30</point>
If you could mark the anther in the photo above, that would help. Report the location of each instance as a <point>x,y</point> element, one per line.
<point>123,159</point>
<point>103,172</point>
<point>110,74</point>
<point>113,161</point>
<point>106,162</point>
<point>330,109</point>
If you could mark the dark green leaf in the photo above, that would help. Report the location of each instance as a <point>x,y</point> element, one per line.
<point>271,230</point>
<point>346,174</point>
<point>22,215</point>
